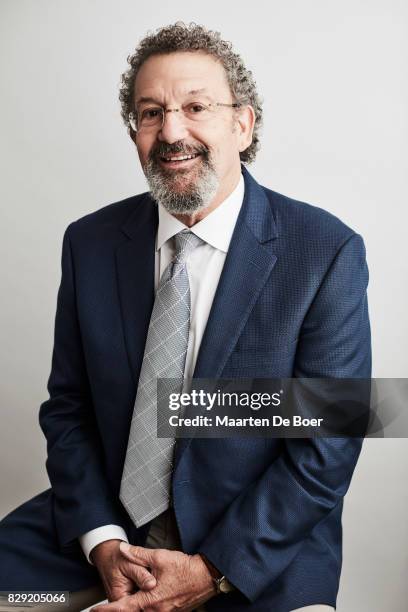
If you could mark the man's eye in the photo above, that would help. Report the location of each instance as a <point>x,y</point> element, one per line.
<point>196,107</point>
<point>151,113</point>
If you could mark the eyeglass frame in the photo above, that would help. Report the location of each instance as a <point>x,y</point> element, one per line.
<point>176,110</point>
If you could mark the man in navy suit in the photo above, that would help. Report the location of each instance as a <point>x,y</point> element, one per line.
<point>277,288</point>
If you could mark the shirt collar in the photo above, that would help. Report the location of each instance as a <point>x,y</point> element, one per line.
<point>216,228</point>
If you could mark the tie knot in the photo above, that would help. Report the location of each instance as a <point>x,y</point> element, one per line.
<point>185,242</point>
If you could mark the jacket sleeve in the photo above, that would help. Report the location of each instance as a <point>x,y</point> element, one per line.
<point>268,522</point>
<point>75,462</point>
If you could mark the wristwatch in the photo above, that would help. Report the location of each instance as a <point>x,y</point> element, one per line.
<point>221,583</point>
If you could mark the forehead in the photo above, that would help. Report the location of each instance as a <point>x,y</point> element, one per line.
<point>175,74</point>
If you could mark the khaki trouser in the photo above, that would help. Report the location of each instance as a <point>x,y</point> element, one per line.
<point>163,533</point>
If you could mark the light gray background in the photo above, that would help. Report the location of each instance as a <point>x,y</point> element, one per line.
<point>333,79</point>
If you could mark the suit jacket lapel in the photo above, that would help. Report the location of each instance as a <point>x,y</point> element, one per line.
<point>247,267</point>
<point>248,264</point>
<point>135,259</point>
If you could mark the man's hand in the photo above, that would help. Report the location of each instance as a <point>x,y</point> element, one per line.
<point>183,582</point>
<point>119,574</point>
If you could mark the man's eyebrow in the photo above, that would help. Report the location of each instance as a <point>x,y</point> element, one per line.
<point>196,91</point>
<point>192,92</point>
<point>146,99</point>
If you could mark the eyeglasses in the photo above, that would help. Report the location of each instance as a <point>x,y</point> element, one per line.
<point>152,117</point>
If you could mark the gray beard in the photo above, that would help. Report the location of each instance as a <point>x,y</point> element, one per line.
<point>180,196</point>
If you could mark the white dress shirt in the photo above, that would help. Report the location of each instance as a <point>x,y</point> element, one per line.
<point>204,268</point>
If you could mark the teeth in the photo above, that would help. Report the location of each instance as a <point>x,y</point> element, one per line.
<point>182,157</point>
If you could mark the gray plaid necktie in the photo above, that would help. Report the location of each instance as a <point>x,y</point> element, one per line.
<point>146,479</point>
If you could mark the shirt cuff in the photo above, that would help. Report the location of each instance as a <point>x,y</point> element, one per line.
<point>92,538</point>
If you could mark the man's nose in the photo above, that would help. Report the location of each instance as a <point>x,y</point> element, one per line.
<point>174,127</point>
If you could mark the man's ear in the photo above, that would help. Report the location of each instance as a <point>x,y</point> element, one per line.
<point>132,135</point>
<point>245,122</point>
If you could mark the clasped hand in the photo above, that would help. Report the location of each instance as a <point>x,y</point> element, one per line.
<point>168,580</point>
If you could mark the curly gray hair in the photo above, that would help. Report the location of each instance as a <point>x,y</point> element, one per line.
<point>182,37</point>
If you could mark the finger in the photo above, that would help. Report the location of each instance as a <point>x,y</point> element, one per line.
<point>115,593</point>
<point>143,556</point>
<point>118,584</point>
<point>139,575</point>
<point>110,607</point>
<point>115,606</point>
<point>126,604</point>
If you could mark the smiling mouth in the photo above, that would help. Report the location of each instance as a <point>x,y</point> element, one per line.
<point>178,159</point>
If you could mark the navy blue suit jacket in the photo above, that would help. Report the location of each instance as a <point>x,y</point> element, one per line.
<point>291,302</point>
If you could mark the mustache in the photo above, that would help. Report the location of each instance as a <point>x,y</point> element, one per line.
<point>164,148</point>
